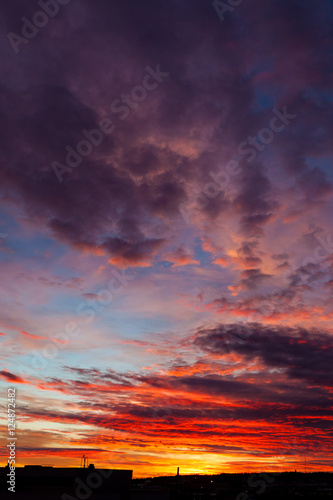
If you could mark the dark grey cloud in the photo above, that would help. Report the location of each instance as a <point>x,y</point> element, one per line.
<point>10,377</point>
<point>304,354</point>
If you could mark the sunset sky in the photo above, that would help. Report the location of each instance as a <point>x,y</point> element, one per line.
<point>166,240</point>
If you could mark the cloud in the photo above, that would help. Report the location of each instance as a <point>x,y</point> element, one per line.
<point>90,296</point>
<point>10,377</point>
<point>180,257</point>
<point>299,352</point>
<point>127,253</point>
<point>251,278</point>
<point>255,202</point>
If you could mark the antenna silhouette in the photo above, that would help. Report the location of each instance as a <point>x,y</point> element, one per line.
<point>84,461</point>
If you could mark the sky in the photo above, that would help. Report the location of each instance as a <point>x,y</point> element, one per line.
<point>166,246</point>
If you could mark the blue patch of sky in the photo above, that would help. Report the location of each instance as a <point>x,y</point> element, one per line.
<point>325,164</point>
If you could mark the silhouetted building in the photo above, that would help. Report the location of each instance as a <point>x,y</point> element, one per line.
<point>34,482</point>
